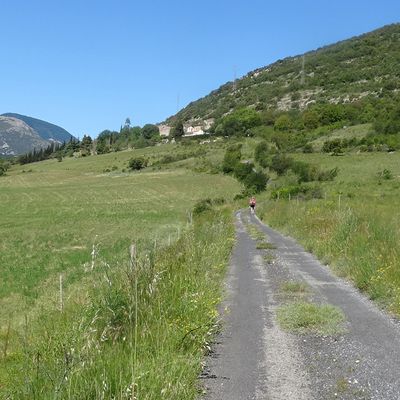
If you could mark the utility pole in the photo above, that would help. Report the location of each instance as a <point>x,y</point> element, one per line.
<point>234,78</point>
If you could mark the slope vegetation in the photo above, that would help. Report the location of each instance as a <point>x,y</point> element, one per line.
<point>363,66</point>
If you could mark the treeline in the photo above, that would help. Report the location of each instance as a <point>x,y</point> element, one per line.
<point>136,137</point>
<point>107,141</point>
<point>54,150</point>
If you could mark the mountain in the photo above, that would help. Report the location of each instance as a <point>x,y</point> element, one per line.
<point>348,71</point>
<point>20,134</point>
<point>46,130</point>
<point>17,137</point>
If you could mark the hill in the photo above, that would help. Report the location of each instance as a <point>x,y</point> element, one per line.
<point>20,134</point>
<point>359,68</point>
<point>17,137</point>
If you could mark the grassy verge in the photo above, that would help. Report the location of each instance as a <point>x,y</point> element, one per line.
<point>359,242</point>
<point>354,227</point>
<point>304,317</point>
<point>141,331</point>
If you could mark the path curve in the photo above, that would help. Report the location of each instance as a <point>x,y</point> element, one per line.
<point>254,359</point>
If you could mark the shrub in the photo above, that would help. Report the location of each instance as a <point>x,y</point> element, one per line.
<point>305,192</point>
<point>138,163</point>
<point>256,181</point>
<point>308,173</point>
<point>332,146</point>
<point>232,157</point>
<point>308,148</point>
<point>280,163</point>
<point>242,170</point>
<point>204,205</point>
<point>261,154</point>
<point>385,174</point>
<point>4,165</point>
<point>328,175</point>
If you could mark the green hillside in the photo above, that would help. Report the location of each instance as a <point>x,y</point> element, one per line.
<point>363,67</point>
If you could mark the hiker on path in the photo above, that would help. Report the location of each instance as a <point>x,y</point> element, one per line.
<point>252,204</point>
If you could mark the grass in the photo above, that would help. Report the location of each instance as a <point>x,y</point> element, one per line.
<point>304,317</point>
<point>254,232</point>
<point>265,246</point>
<point>294,287</point>
<point>143,331</point>
<point>355,226</point>
<point>58,219</point>
<point>357,131</point>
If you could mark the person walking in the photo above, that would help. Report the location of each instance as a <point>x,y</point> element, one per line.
<point>252,204</point>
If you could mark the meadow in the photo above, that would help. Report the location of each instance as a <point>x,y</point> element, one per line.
<point>75,219</point>
<point>354,227</point>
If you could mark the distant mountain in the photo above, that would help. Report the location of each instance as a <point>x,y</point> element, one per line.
<point>46,130</point>
<point>20,134</point>
<point>348,71</point>
<point>17,137</point>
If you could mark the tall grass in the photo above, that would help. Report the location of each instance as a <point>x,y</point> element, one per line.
<point>141,331</point>
<point>359,240</point>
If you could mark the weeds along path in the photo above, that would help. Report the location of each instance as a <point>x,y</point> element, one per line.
<point>279,341</point>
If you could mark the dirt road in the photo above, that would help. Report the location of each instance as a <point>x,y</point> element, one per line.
<point>254,359</point>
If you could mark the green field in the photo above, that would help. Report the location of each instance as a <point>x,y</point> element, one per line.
<point>77,219</point>
<point>354,227</point>
<point>54,214</point>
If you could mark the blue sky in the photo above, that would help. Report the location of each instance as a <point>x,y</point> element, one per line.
<point>87,65</point>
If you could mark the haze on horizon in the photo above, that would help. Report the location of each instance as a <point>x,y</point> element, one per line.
<point>87,66</point>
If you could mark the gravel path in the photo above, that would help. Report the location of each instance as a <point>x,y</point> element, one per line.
<point>254,359</point>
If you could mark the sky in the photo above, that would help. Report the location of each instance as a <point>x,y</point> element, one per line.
<point>87,65</point>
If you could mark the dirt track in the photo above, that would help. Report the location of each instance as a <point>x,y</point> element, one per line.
<point>254,359</point>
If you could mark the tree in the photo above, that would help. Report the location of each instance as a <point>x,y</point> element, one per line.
<point>86,145</point>
<point>150,131</point>
<point>242,169</point>
<point>177,131</point>
<point>310,119</point>
<point>238,122</point>
<point>280,163</point>
<point>283,123</point>
<point>256,181</point>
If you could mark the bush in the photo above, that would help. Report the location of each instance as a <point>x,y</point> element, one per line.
<point>256,181</point>
<point>308,148</point>
<point>242,170</point>
<point>4,165</point>
<point>308,173</point>
<point>304,192</point>
<point>232,158</point>
<point>280,163</point>
<point>332,146</point>
<point>204,205</point>
<point>261,154</point>
<point>385,174</point>
<point>138,163</point>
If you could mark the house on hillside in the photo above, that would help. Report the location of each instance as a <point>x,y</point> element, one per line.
<point>198,127</point>
<point>164,130</point>
<point>194,130</point>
